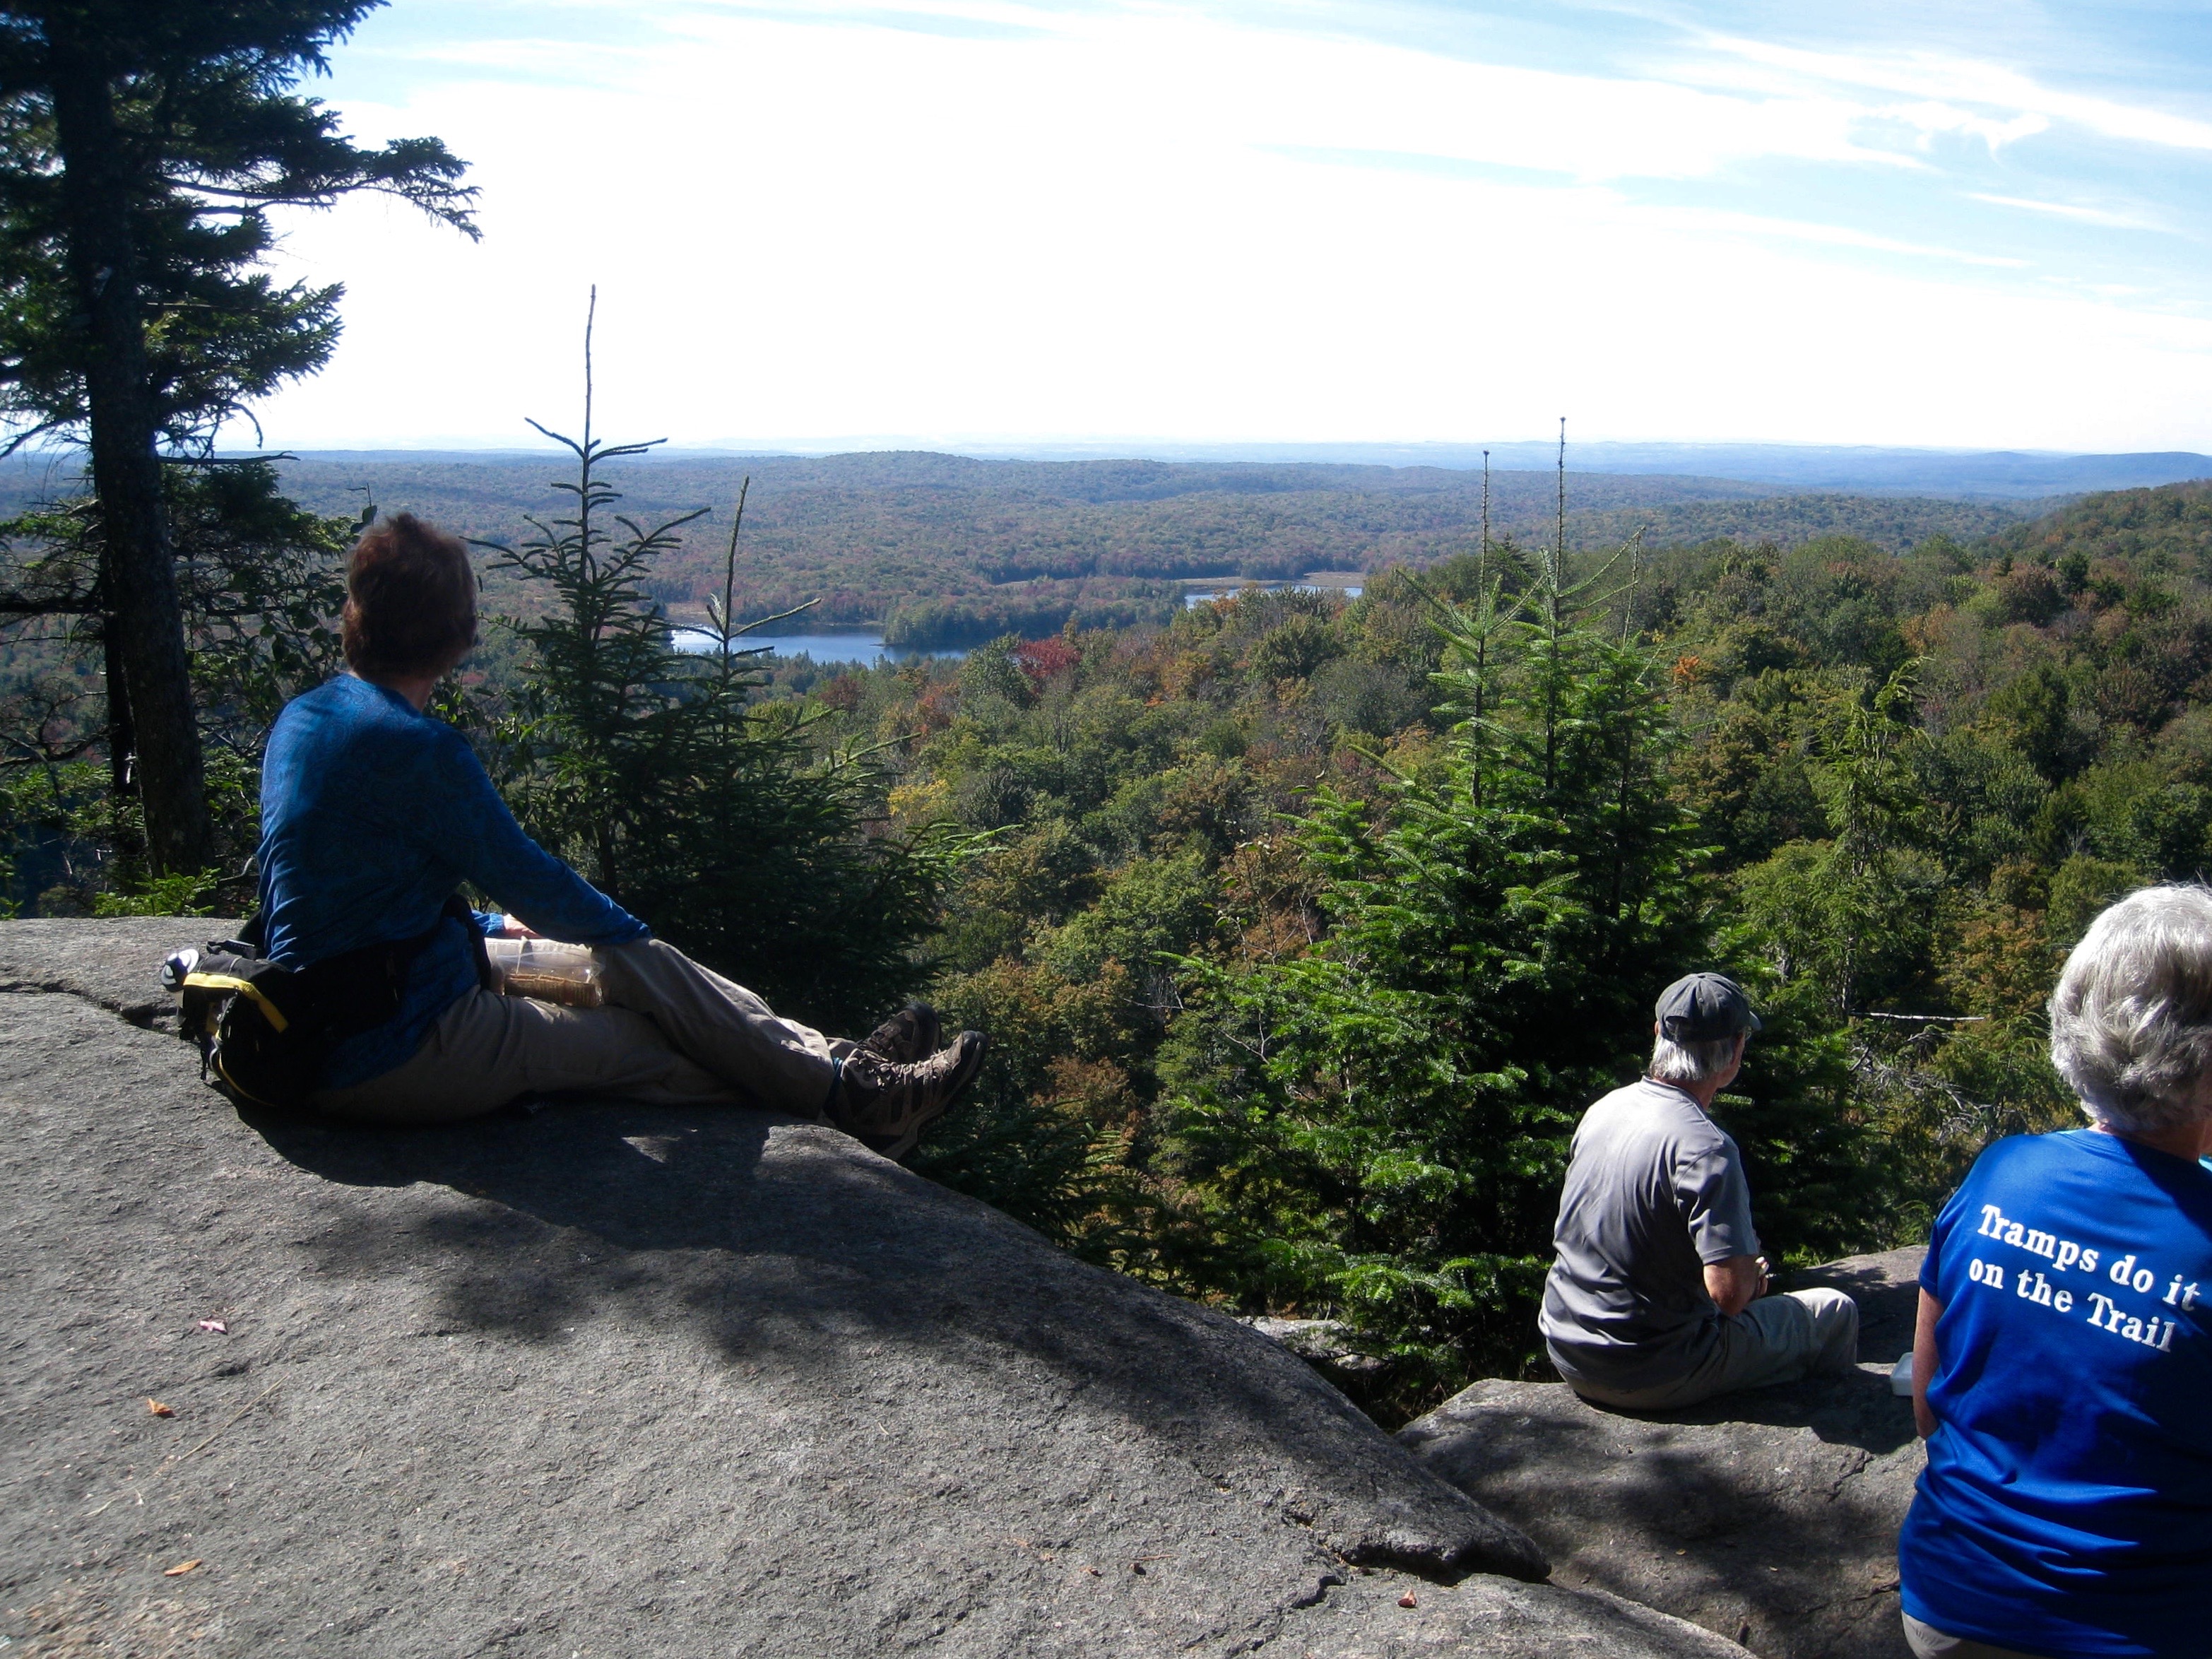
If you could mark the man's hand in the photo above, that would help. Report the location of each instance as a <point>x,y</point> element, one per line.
<point>510,928</point>
<point>1734,1284</point>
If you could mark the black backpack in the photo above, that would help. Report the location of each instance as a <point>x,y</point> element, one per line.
<point>264,1031</point>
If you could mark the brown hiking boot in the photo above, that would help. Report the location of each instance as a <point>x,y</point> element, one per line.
<point>908,1036</point>
<point>887,1105</point>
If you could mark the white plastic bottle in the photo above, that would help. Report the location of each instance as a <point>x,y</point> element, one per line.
<point>547,970</point>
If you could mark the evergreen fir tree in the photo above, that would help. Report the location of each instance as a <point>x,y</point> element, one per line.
<point>1377,1130</point>
<point>653,771</point>
<point>142,143</point>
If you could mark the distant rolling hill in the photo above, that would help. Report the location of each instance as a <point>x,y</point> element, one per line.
<point>946,548</point>
<point>1853,469</point>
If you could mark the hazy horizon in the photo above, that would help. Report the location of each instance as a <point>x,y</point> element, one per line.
<point>1777,469</point>
<point>2018,475</point>
<point>998,447</point>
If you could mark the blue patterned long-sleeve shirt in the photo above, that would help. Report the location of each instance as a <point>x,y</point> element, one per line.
<point>371,814</point>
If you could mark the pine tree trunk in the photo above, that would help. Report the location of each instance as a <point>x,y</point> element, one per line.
<point>143,617</point>
<point>122,753</point>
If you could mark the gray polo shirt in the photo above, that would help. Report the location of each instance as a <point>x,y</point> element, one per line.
<point>1655,1193</point>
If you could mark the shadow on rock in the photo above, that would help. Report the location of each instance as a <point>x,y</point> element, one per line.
<point>789,1245</point>
<point>1854,1410</point>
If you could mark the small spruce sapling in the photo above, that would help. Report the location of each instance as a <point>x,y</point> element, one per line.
<point>706,813</point>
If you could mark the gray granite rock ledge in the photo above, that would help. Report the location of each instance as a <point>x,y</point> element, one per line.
<point>619,1381</point>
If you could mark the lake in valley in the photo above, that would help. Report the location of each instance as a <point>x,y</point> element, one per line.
<point>864,646</point>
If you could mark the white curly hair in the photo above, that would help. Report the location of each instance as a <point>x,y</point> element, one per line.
<point>2131,1020</point>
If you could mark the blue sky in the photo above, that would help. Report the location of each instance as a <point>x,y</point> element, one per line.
<point>979,221</point>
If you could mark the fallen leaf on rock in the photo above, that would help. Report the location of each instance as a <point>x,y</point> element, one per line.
<point>1407,1601</point>
<point>158,1409</point>
<point>217,1326</point>
<point>181,1567</point>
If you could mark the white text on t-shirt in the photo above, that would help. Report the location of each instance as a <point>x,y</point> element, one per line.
<point>2103,1310</point>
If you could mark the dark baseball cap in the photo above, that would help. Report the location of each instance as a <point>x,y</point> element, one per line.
<point>1704,1008</point>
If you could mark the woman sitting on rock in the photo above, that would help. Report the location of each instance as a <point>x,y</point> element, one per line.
<point>373,812</point>
<point>2063,1365</point>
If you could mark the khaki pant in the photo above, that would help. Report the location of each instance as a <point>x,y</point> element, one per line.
<point>1777,1338</point>
<point>672,1034</point>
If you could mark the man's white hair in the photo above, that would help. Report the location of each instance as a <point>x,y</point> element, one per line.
<point>2131,1020</point>
<point>1691,1062</point>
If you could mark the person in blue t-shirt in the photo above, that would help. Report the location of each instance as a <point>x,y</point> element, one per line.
<point>374,812</point>
<point>2063,1363</point>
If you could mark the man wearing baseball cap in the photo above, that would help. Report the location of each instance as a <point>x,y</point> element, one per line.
<point>1656,1294</point>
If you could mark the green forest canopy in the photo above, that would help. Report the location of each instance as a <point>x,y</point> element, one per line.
<point>1887,791</point>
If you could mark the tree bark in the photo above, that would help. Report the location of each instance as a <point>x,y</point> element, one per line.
<point>122,750</point>
<point>144,621</point>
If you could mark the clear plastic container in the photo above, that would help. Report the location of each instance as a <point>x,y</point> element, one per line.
<point>551,972</point>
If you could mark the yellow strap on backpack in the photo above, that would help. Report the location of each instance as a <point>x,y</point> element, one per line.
<point>245,989</point>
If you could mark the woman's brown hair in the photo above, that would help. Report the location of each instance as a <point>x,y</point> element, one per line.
<point>410,600</point>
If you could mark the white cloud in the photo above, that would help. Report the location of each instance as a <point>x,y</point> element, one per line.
<point>1951,80</point>
<point>2086,215</point>
<point>1116,223</point>
<point>1929,119</point>
<point>1200,79</point>
<point>1745,224</point>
